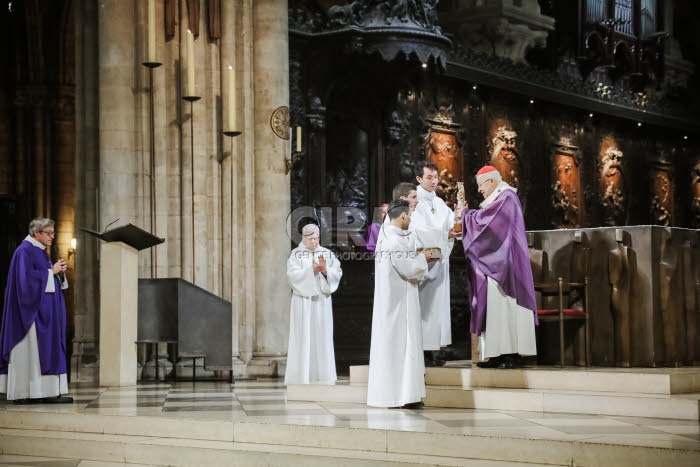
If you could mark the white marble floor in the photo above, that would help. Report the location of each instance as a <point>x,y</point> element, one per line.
<point>265,401</point>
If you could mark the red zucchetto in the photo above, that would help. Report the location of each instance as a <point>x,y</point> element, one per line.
<point>487,172</point>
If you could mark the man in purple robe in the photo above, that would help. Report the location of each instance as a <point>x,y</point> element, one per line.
<point>375,227</point>
<point>499,279</point>
<point>33,331</point>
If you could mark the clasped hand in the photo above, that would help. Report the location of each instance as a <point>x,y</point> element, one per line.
<point>59,266</point>
<point>320,266</point>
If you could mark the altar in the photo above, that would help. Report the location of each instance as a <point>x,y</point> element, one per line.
<point>642,293</point>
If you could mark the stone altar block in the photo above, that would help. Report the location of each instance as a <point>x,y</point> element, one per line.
<point>663,286</point>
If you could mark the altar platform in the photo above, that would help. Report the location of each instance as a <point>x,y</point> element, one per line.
<point>635,392</point>
<point>262,422</point>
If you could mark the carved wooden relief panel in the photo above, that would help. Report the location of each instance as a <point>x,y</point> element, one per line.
<point>566,185</point>
<point>397,145</point>
<point>613,200</point>
<point>661,195</point>
<point>443,149</point>
<point>504,154</point>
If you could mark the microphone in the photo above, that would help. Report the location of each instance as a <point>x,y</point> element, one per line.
<point>115,220</point>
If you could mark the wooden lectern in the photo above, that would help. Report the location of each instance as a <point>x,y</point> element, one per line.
<point>119,301</point>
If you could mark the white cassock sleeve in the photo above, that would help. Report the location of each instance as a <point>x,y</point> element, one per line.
<point>300,274</point>
<point>50,287</point>
<point>409,265</point>
<point>329,283</point>
<point>301,277</point>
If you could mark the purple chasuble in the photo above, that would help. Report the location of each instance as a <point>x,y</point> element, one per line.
<point>372,236</point>
<point>495,242</point>
<point>26,302</point>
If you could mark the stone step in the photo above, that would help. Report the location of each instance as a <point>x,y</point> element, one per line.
<point>256,443</point>
<point>627,380</point>
<point>684,406</point>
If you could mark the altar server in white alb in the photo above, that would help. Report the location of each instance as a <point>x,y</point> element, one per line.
<point>396,366</point>
<point>433,224</point>
<point>313,273</point>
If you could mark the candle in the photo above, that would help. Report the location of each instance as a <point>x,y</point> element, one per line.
<point>190,64</point>
<point>151,31</point>
<point>231,99</point>
<point>298,139</point>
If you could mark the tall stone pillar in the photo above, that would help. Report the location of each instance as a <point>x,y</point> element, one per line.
<point>119,170</point>
<point>62,172</point>
<point>40,156</point>
<point>272,196</point>
<point>84,363</point>
<point>107,147</point>
<point>238,196</point>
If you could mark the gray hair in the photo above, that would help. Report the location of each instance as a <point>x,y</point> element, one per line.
<point>493,175</point>
<point>309,229</point>
<point>39,224</point>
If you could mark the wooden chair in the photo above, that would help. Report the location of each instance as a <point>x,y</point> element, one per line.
<point>571,297</point>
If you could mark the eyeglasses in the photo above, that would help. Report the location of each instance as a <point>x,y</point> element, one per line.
<point>49,233</point>
<point>482,183</point>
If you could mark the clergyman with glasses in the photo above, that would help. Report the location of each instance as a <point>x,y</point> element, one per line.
<point>313,273</point>
<point>33,331</point>
<point>499,279</point>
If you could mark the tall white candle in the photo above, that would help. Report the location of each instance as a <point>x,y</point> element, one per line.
<point>190,64</point>
<point>151,31</point>
<point>298,139</point>
<point>231,99</point>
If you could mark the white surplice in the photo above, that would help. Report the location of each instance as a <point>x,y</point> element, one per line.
<point>431,221</point>
<point>396,366</point>
<point>310,355</point>
<point>509,326</point>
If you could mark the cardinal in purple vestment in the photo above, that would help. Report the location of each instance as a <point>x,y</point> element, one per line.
<point>33,331</point>
<point>499,279</point>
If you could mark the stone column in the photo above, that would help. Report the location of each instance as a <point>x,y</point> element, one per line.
<point>84,365</point>
<point>40,156</point>
<point>272,197</point>
<point>20,176</point>
<point>119,169</point>
<point>238,195</point>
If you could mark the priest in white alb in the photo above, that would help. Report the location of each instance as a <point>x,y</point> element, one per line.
<point>313,273</point>
<point>433,224</point>
<point>396,369</point>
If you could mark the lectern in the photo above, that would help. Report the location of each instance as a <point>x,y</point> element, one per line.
<point>119,301</point>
